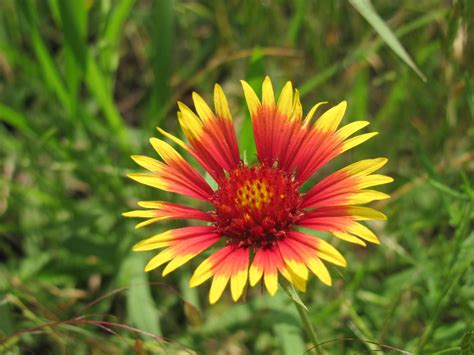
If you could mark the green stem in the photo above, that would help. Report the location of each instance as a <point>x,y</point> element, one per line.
<point>303,313</point>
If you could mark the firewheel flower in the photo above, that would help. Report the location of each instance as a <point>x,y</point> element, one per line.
<point>255,215</point>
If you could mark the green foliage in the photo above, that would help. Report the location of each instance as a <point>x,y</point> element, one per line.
<point>84,83</point>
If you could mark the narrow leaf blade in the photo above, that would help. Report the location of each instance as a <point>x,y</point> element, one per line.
<point>365,8</point>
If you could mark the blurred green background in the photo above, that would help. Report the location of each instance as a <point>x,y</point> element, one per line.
<point>83,84</point>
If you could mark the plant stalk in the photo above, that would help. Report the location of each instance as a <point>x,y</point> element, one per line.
<point>303,313</point>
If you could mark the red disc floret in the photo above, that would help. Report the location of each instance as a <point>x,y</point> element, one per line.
<point>256,205</point>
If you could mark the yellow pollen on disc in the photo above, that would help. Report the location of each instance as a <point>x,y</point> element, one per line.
<point>254,194</point>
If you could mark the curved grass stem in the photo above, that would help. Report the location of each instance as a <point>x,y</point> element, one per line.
<point>303,313</point>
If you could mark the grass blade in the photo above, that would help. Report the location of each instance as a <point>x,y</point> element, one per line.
<point>15,119</point>
<point>161,59</point>
<point>296,21</point>
<point>49,69</point>
<point>365,8</point>
<point>113,30</point>
<point>98,87</point>
<point>72,15</point>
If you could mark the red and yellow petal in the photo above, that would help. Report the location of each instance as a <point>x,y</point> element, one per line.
<point>350,128</point>
<point>342,222</point>
<point>309,116</point>
<point>181,245</point>
<point>171,236</point>
<point>294,279</point>
<point>162,210</point>
<point>268,96</point>
<point>355,141</point>
<point>174,175</point>
<point>180,167</point>
<point>309,256</point>
<point>200,158</point>
<point>274,125</point>
<point>293,257</point>
<point>315,150</point>
<point>266,263</point>
<point>330,120</point>
<point>324,250</point>
<point>320,144</point>
<point>211,136</point>
<point>309,251</point>
<point>282,136</point>
<point>346,186</point>
<point>312,146</point>
<point>229,263</point>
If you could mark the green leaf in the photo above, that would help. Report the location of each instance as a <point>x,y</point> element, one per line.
<point>141,308</point>
<point>365,8</point>
<point>234,317</point>
<point>289,337</point>
<point>287,329</point>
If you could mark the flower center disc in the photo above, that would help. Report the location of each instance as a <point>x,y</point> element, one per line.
<point>255,206</point>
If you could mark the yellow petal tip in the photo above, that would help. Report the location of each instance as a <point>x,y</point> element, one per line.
<point>137,247</point>
<point>272,292</point>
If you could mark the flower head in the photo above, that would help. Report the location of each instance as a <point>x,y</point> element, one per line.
<point>257,210</point>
